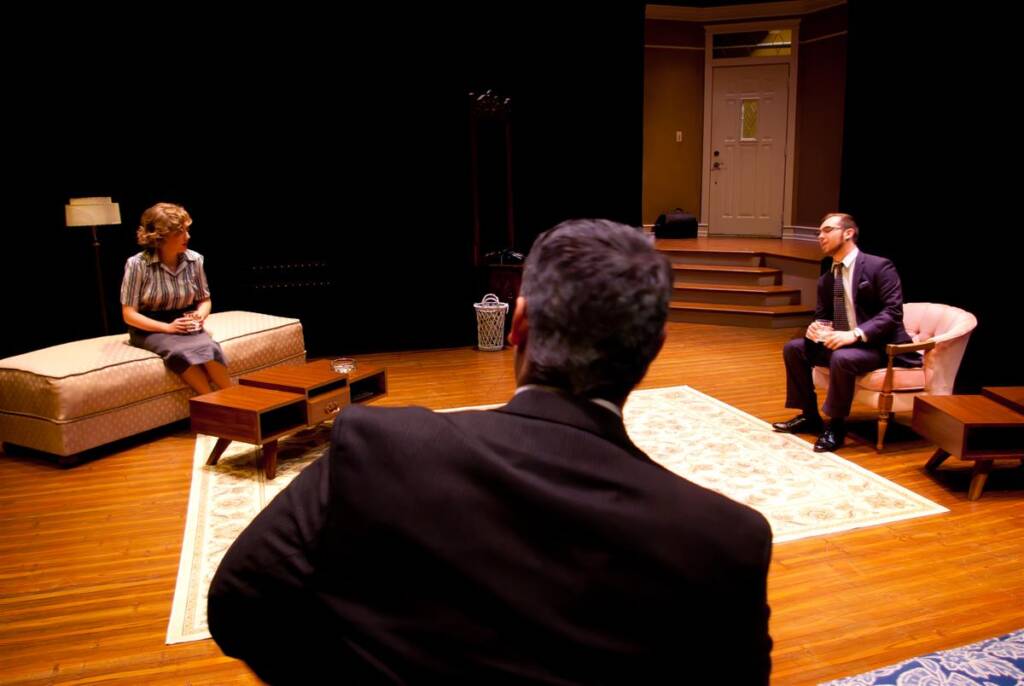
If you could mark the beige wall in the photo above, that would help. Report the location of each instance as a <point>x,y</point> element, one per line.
<point>821,96</point>
<point>674,101</point>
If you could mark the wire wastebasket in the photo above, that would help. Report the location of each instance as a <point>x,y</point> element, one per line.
<point>490,322</point>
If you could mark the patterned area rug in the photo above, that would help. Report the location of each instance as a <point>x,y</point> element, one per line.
<point>802,493</point>
<point>992,662</point>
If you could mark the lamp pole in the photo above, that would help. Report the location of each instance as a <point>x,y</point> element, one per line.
<point>99,282</point>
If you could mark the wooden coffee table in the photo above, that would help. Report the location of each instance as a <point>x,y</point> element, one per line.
<point>972,427</point>
<point>325,390</point>
<point>270,404</point>
<point>259,416</point>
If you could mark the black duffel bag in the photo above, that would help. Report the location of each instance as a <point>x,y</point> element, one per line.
<point>676,224</point>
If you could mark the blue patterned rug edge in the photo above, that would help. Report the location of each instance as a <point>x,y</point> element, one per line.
<point>992,662</point>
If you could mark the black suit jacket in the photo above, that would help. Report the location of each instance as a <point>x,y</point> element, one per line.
<point>530,544</point>
<point>877,300</point>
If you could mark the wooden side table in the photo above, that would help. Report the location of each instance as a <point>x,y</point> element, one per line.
<point>1011,396</point>
<point>972,427</point>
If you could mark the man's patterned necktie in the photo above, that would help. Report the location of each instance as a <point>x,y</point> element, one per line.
<point>839,319</point>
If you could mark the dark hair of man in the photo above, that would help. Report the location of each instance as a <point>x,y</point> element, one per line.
<point>597,297</point>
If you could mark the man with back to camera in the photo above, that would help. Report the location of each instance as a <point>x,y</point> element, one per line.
<point>865,304</point>
<point>533,543</point>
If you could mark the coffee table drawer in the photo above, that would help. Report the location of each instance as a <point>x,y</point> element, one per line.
<point>324,406</point>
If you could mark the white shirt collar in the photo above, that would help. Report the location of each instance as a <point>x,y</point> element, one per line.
<point>850,258</point>
<point>151,258</point>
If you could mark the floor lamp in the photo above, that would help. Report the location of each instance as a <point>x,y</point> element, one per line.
<point>93,212</point>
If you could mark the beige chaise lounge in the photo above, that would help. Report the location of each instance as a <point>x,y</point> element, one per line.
<point>75,396</point>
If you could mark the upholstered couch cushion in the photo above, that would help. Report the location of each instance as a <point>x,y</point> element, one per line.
<point>77,395</point>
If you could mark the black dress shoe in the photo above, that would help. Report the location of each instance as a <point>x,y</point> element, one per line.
<point>829,441</point>
<point>800,425</point>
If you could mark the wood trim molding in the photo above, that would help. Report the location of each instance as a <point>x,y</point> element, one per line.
<point>735,12</point>
<point>675,47</point>
<point>705,179</point>
<point>827,36</point>
<point>738,27</point>
<point>794,62</point>
<point>800,233</point>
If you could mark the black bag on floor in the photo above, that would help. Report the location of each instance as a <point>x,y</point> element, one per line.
<point>675,224</point>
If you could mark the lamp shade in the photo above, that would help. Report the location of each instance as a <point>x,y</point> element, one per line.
<point>91,212</point>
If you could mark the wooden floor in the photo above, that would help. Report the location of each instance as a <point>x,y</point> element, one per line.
<point>89,555</point>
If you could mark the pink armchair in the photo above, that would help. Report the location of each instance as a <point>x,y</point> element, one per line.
<point>940,333</point>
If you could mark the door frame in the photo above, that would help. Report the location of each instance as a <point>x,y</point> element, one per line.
<point>709,63</point>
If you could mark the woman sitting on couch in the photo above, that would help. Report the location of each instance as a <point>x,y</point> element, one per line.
<point>165,299</point>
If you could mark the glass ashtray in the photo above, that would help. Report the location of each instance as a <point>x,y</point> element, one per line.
<point>343,365</point>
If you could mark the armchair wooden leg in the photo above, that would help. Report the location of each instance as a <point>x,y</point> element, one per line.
<point>883,425</point>
<point>884,410</point>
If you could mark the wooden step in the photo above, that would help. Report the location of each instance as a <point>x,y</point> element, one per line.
<point>742,248</point>
<point>735,294</point>
<point>722,257</point>
<point>769,317</point>
<point>728,274</point>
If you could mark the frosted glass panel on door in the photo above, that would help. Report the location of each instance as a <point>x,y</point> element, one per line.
<point>749,120</point>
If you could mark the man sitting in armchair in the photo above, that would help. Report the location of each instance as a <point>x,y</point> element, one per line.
<point>862,296</point>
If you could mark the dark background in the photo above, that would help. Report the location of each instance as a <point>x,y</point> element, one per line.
<point>324,158</point>
<point>929,156</point>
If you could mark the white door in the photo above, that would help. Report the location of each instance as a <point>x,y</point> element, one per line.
<point>748,150</point>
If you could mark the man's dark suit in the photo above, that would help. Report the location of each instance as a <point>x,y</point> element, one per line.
<point>532,543</point>
<point>878,305</point>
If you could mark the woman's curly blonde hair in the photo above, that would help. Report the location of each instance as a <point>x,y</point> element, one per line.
<point>159,222</point>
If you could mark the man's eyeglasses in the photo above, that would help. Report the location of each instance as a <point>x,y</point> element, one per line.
<point>828,229</point>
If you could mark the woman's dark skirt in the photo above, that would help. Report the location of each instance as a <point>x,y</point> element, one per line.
<point>179,351</point>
